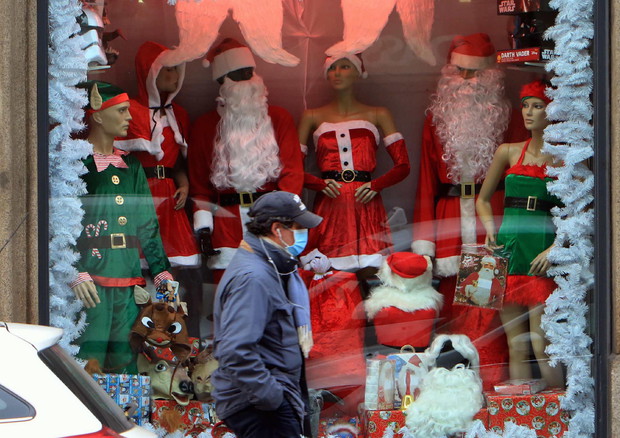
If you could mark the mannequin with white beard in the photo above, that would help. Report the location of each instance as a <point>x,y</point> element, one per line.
<point>465,124</point>
<point>238,152</point>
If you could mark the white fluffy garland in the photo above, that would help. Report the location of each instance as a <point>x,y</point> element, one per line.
<point>570,140</point>
<point>67,67</point>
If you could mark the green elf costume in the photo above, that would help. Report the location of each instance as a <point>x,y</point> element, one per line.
<point>119,219</point>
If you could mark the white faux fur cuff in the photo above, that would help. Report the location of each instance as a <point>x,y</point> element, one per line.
<point>203,219</point>
<point>421,298</point>
<point>423,247</point>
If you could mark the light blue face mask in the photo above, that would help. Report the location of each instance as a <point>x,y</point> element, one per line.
<point>301,239</point>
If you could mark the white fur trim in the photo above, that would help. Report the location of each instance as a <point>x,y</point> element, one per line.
<point>472,62</point>
<point>423,247</point>
<point>231,60</point>
<point>345,126</point>
<point>355,60</point>
<point>186,261</point>
<point>422,297</point>
<point>447,266</point>
<point>354,262</point>
<point>203,219</point>
<point>468,221</point>
<point>460,343</point>
<point>140,144</point>
<point>392,138</point>
<point>222,260</point>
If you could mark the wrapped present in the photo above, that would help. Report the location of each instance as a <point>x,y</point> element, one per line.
<point>131,392</point>
<point>482,415</point>
<point>375,423</point>
<point>520,386</point>
<point>341,427</point>
<point>192,420</point>
<point>410,368</point>
<point>540,412</point>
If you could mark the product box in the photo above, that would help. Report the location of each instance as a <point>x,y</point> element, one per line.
<point>192,420</point>
<point>339,426</point>
<point>540,412</point>
<point>375,423</point>
<point>520,386</point>
<point>131,392</point>
<point>512,7</point>
<point>380,388</point>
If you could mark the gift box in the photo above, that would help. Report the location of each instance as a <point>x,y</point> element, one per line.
<point>131,392</point>
<point>380,384</point>
<point>540,412</point>
<point>410,368</point>
<point>339,426</point>
<point>520,386</point>
<point>375,423</point>
<point>192,420</point>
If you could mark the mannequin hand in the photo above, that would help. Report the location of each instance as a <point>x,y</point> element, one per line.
<point>364,193</point>
<point>331,189</point>
<point>87,293</point>
<point>490,241</point>
<point>181,196</point>
<point>540,264</point>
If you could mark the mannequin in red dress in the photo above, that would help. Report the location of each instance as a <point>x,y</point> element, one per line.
<point>346,136</point>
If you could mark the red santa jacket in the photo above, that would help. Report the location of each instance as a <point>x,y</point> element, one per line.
<point>227,221</point>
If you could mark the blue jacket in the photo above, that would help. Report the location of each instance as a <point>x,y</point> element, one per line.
<point>256,341</point>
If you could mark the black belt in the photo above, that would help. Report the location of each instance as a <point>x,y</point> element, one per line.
<point>347,175</point>
<point>159,172</point>
<point>244,199</point>
<point>462,190</point>
<point>531,203</point>
<point>113,241</point>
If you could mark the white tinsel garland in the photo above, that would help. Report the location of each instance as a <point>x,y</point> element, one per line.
<point>67,67</point>
<point>570,140</point>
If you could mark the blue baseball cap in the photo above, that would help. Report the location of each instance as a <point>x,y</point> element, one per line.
<point>285,205</point>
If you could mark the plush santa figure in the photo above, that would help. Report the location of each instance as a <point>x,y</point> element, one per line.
<point>465,123</point>
<point>238,152</point>
<point>481,287</point>
<point>451,392</point>
<point>405,306</point>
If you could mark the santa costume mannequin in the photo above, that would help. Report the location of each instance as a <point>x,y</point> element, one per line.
<point>346,136</point>
<point>405,306</point>
<point>465,124</point>
<point>157,136</point>
<point>239,151</point>
<point>119,218</point>
<point>527,232</point>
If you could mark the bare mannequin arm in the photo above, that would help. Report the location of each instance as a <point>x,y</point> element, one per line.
<point>501,160</point>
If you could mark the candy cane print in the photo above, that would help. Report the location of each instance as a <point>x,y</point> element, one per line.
<point>90,231</point>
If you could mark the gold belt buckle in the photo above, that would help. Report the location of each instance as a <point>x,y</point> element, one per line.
<point>468,190</point>
<point>350,175</point>
<point>160,171</point>
<point>243,202</point>
<point>531,203</point>
<point>113,241</point>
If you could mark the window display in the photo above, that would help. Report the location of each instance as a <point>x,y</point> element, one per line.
<point>393,334</point>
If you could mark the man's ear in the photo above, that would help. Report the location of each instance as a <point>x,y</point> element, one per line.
<point>96,117</point>
<point>275,226</point>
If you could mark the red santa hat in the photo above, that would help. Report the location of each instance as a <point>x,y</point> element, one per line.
<point>535,89</point>
<point>472,52</point>
<point>407,264</point>
<point>355,58</point>
<point>229,55</point>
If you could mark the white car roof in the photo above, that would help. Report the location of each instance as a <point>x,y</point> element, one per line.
<point>39,336</point>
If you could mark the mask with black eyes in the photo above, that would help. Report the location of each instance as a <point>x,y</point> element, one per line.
<point>160,325</point>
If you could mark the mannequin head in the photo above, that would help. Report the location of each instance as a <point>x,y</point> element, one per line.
<point>470,54</point>
<point>534,104</point>
<point>167,80</point>
<point>342,74</point>
<point>113,121</point>
<point>231,59</point>
<point>107,112</point>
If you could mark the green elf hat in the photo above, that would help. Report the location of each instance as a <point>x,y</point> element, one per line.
<point>102,95</point>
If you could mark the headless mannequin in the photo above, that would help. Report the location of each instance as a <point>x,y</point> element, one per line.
<point>512,315</point>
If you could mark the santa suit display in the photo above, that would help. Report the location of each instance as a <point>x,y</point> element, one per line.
<point>353,235</point>
<point>157,140</point>
<point>445,218</point>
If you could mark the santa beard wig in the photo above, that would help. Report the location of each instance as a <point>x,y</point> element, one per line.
<point>245,154</point>
<point>470,116</point>
<point>447,403</point>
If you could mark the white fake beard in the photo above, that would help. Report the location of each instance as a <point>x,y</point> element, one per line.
<point>470,116</point>
<point>447,403</point>
<point>486,274</point>
<point>246,154</point>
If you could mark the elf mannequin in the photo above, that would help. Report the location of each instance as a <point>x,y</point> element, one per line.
<point>346,134</point>
<point>157,135</point>
<point>527,232</point>
<point>238,152</point>
<point>465,123</point>
<point>118,218</point>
